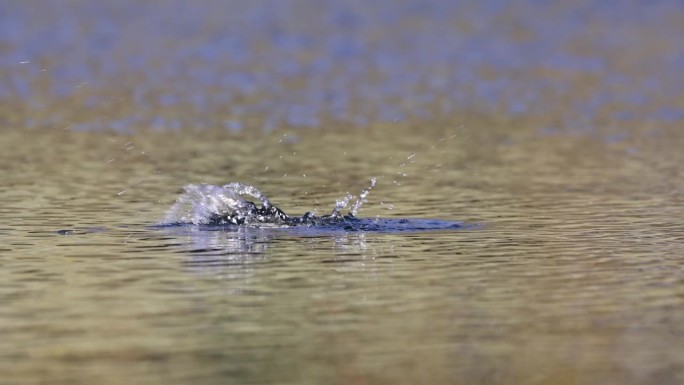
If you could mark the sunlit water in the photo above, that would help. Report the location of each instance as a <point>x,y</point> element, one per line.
<point>523,225</point>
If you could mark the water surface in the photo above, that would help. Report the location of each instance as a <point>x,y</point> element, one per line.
<point>551,132</point>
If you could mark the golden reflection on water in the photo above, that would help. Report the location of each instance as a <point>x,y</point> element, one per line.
<point>573,276</point>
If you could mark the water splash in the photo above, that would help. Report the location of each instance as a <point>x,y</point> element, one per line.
<point>210,205</point>
<point>363,198</point>
<point>340,204</point>
<point>207,204</point>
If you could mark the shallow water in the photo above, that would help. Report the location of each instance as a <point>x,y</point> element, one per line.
<point>557,150</point>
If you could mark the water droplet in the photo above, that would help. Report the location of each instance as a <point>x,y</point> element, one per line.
<point>363,198</point>
<point>387,205</point>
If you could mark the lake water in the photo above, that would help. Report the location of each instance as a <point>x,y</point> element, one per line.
<point>550,132</point>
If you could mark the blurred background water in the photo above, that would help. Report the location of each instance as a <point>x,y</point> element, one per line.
<point>266,64</point>
<point>553,127</point>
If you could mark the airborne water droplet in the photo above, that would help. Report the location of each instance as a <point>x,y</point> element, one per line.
<point>363,198</point>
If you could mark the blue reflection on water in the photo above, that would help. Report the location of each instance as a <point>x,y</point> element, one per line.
<point>297,62</point>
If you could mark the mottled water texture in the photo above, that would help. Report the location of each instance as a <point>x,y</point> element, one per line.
<point>534,147</point>
<point>265,64</point>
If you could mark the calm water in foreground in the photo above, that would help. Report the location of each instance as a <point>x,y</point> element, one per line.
<point>573,274</point>
<point>553,132</point>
